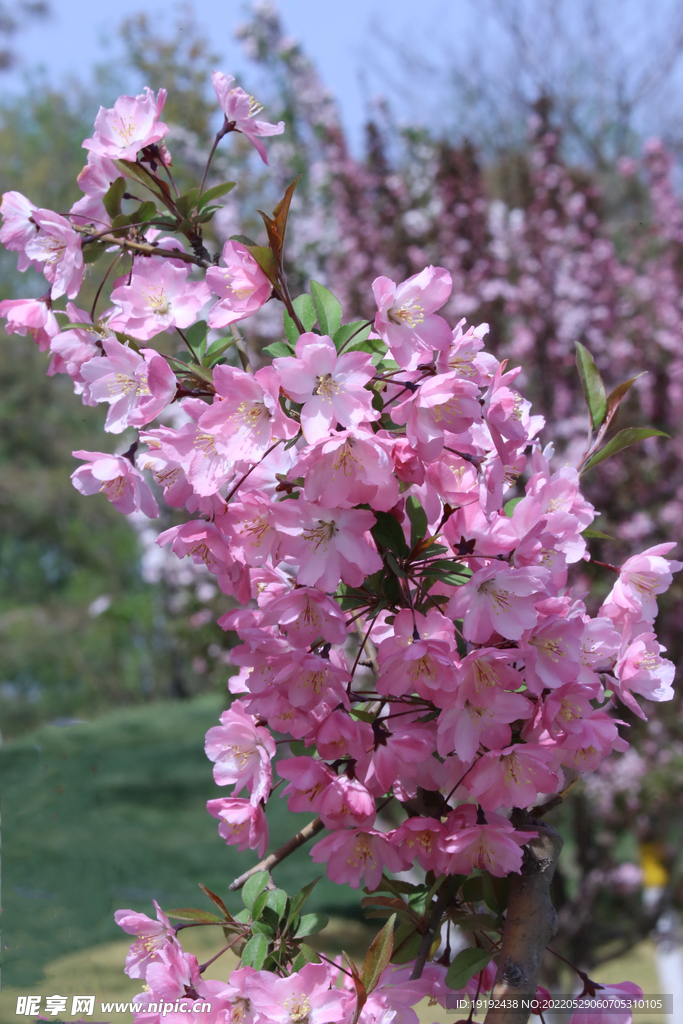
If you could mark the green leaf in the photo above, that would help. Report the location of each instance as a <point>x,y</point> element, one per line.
<point>359,330</point>
<point>305,310</point>
<point>192,914</point>
<point>496,892</point>
<point>259,904</point>
<point>473,890</point>
<point>306,956</point>
<point>597,535</point>
<point>263,928</point>
<point>196,334</point>
<point>205,216</point>
<point>217,192</point>
<point>277,901</point>
<point>467,963</point>
<point>186,202</point>
<point>418,520</point>
<point>629,436</point>
<point>327,307</point>
<point>253,887</point>
<point>511,505</point>
<point>378,956</point>
<point>310,924</point>
<point>244,239</point>
<point>407,942</point>
<point>145,212</point>
<point>593,388</point>
<point>216,350</point>
<point>300,898</point>
<point>255,952</point>
<point>91,253</point>
<point>475,921</point>
<point>113,196</point>
<point>361,994</point>
<point>120,224</point>
<point>266,260</point>
<point>388,532</point>
<point>279,348</point>
<point>135,171</point>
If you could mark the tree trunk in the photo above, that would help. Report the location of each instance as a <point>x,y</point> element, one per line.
<point>530,924</point>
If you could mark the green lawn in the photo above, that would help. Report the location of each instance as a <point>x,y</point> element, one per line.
<point>112,814</point>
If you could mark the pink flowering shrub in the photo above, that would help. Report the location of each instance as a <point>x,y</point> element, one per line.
<point>414,631</point>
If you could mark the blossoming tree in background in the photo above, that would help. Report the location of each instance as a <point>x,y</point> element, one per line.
<point>403,549</point>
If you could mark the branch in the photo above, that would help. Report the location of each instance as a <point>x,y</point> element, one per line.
<point>151,250</point>
<point>269,862</point>
<point>432,929</point>
<point>530,924</point>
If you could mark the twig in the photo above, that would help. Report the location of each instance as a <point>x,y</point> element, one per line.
<point>269,862</point>
<point>429,935</point>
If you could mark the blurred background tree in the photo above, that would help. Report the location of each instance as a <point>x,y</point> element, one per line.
<point>536,186</point>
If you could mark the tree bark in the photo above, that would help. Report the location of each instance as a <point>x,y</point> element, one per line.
<point>530,924</point>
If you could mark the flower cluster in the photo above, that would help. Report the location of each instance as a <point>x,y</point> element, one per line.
<point>378,501</point>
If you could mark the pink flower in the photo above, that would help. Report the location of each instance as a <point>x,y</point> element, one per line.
<point>241,285</point>
<point>116,478</point>
<point>174,973</point>
<point>30,316</point>
<point>405,317</point>
<point>208,546</point>
<point>641,578</point>
<point>304,996</point>
<point>499,600</point>
<point>242,824</point>
<point>18,227</point>
<point>240,111</point>
<point>242,752</point>
<point>420,656</point>
<point>308,779</point>
<point>127,127</point>
<point>400,750</point>
<point>307,679</point>
<point>486,841</point>
<point>352,467</point>
<point>355,854</point>
<point>445,403</point>
<point>58,247</point>
<point>304,615</point>
<point>553,654</point>
<point>345,802</point>
<point>512,777</point>
<point>95,180</point>
<point>330,387</point>
<point>138,386</point>
<point>152,936</point>
<point>158,298</point>
<point>71,348</point>
<point>246,416</point>
<point>463,727</point>
<point>641,669</point>
<point>423,838</point>
<point>622,993</point>
<point>330,545</point>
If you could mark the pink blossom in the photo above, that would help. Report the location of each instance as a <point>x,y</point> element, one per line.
<point>553,654</point>
<point>339,735</point>
<point>420,656</point>
<point>116,478</point>
<point>138,386</point>
<point>641,577</point>
<point>398,751</point>
<point>58,247</point>
<point>241,285</point>
<point>465,355</point>
<point>330,545</point>
<point>309,678</point>
<point>127,127</point>
<point>304,615</point>
<point>71,348</point>
<point>158,298</point>
<point>330,387</point>
<point>18,227</point>
<point>641,669</point>
<point>242,752</point>
<point>463,726</point>
<point>242,824</point>
<point>624,991</point>
<point>405,317</point>
<point>423,838</point>
<point>512,777</point>
<point>152,936</point>
<point>500,600</point>
<point>174,973</point>
<point>345,802</point>
<point>30,316</point>
<point>246,416</point>
<point>240,111</point>
<point>308,779</point>
<point>486,841</point>
<point>444,403</point>
<point>205,543</point>
<point>357,853</point>
<point>352,467</point>
<point>95,180</point>
<point>306,995</point>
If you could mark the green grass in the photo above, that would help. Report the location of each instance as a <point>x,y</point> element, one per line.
<point>112,814</point>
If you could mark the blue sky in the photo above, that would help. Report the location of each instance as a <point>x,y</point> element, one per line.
<point>337,34</point>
